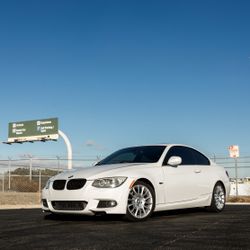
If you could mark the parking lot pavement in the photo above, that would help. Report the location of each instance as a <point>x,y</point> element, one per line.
<point>180,229</point>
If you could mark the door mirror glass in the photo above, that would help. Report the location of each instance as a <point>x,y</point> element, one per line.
<point>174,161</point>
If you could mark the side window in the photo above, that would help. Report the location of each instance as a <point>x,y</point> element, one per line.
<point>184,152</point>
<point>200,158</point>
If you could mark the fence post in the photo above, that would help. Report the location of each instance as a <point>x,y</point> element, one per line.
<point>30,168</point>
<point>9,165</point>
<point>58,163</point>
<point>3,182</point>
<point>214,158</point>
<point>40,185</point>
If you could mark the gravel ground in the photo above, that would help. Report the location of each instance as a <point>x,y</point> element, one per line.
<point>239,199</point>
<point>18,198</point>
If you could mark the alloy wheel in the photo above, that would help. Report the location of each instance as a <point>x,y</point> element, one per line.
<point>140,201</point>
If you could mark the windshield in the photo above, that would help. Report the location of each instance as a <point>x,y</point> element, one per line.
<point>144,154</point>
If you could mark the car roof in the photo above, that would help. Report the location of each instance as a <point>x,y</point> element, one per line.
<point>161,144</point>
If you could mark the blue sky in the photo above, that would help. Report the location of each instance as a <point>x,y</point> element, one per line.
<point>121,73</point>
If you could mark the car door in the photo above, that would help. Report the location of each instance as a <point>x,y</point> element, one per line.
<point>204,173</point>
<point>180,182</point>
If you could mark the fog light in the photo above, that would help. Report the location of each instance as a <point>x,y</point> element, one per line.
<point>106,203</point>
<point>45,203</point>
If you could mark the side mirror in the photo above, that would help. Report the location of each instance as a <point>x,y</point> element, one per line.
<point>95,163</point>
<point>174,161</point>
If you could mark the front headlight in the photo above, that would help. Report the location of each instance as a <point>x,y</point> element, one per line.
<point>109,182</point>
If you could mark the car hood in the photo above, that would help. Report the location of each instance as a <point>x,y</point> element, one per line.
<point>100,171</point>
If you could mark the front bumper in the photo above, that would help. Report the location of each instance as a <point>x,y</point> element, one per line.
<point>90,196</point>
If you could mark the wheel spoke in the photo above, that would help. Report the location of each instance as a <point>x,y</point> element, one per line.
<point>136,192</point>
<point>142,190</point>
<point>144,212</point>
<point>136,212</point>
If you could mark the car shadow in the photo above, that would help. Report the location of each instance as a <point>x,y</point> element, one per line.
<point>180,212</point>
<point>79,217</point>
<point>120,218</point>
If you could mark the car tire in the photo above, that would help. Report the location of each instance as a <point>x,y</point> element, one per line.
<point>141,202</point>
<point>218,199</point>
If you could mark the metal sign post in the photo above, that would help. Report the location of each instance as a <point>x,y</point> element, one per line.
<point>236,176</point>
<point>69,148</point>
<point>234,152</point>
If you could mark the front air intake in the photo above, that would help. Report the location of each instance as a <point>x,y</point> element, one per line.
<point>69,205</point>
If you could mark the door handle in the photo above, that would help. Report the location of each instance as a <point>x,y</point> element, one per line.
<point>197,171</point>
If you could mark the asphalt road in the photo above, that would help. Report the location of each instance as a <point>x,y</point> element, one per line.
<point>180,229</point>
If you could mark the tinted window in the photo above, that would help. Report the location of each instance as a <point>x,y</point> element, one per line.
<point>147,154</point>
<point>189,156</point>
<point>184,152</point>
<point>200,158</point>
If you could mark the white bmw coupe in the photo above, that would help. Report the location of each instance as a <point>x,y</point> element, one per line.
<point>137,181</point>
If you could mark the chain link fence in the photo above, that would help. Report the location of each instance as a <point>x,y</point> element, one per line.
<point>230,164</point>
<point>21,180</point>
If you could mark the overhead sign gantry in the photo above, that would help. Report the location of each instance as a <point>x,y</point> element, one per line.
<point>38,130</point>
<point>35,130</point>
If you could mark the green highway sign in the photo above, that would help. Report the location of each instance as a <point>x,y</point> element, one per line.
<point>35,130</point>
